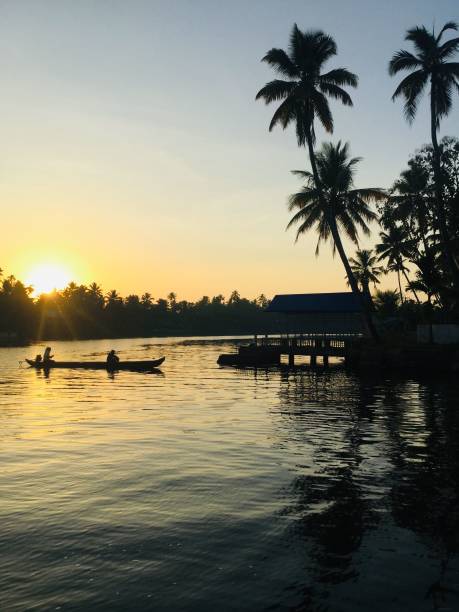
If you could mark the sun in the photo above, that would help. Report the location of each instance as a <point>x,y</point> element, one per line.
<point>46,277</point>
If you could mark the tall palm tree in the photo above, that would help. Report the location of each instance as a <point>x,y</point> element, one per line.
<point>430,65</point>
<point>365,269</point>
<point>304,93</point>
<point>411,201</point>
<point>394,247</point>
<point>336,205</point>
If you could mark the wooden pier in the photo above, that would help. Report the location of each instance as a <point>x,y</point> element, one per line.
<point>265,350</point>
<point>309,345</point>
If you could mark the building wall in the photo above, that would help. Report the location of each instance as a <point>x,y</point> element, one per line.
<point>346,323</point>
<point>438,334</point>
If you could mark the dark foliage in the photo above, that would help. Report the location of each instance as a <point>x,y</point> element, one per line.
<point>81,311</point>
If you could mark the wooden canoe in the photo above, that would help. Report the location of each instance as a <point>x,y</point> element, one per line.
<point>143,365</point>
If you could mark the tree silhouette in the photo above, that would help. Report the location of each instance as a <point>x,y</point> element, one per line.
<point>430,66</point>
<point>365,269</point>
<point>341,205</point>
<point>304,98</point>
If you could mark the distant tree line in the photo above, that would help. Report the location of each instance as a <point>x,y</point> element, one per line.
<point>80,311</point>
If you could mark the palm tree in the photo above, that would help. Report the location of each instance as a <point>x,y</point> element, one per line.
<point>336,205</point>
<point>112,298</point>
<point>411,201</point>
<point>172,299</point>
<point>428,283</point>
<point>430,65</point>
<point>304,94</point>
<point>146,300</point>
<point>365,269</point>
<point>95,293</point>
<point>394,247</point>
<point>386,303</point>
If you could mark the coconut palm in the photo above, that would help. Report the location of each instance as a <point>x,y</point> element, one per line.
<point>113,299</point>
<point>411,201</point>
<point>306,89</point>
<point>341,207</point>
<point>386,303</point>
<point>394,247</point>
<point>430,66</point>
<point>304,93</point>
<point>365,269</point>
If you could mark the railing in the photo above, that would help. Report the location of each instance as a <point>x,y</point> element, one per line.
<point>331,344</point>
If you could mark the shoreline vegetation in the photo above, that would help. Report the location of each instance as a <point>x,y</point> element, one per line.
<point>419,215</point>
<point>85,312</point>
<point>81,312</point>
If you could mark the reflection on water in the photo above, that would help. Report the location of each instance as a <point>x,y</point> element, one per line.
<point>206,488</point>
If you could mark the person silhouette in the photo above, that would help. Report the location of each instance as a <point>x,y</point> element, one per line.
<point>47,355</point>
<point>112,359</point>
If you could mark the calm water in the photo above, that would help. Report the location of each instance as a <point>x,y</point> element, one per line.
<point>207,488</point>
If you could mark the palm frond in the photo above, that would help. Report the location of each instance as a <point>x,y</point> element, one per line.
<point>449,69</point>
<point>345,222</point>
<point>322,110</point>
<point>334,91</point>
<point>304,174</point>
<point>403,60</point>
<point>449,25</point>
<point>422,40</point>
<point>275,90</point>
<point>280,61</point>
<point>284,114</point>
<point>411,88</point>
<point>449,48</point>
<point>443,98</point>
<point>302,199</point>
<point>369,194</point>
<point>340,77</point>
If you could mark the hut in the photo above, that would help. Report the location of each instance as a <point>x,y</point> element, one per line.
<point>318,313</point>
<point>309,324</point>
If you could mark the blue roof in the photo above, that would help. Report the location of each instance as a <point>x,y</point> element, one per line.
<point>297,303</point>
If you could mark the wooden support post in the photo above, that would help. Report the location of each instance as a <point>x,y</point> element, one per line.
<point>313,361</point>
<point>327,349</point>
<point>291,360</point>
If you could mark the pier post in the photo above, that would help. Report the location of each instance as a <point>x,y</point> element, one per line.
<point>313,361</point>
<point>291,360</point>
<point>326,351</point>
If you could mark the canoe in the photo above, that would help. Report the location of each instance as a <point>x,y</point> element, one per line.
<point>143,365</point>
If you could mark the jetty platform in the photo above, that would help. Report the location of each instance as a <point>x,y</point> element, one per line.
<point>269,349</point>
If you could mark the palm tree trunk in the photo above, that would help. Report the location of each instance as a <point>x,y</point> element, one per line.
<point>450,261</point>
<point>400,286</point>
<point>412,290</point>
<point>339,246</point>
<point>423,228</point>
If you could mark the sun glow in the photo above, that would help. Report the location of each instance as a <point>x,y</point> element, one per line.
<point>46,277</point>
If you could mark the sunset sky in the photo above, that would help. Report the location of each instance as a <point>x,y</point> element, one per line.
<point>133,152</point>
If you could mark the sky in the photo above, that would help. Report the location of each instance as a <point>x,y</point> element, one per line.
<point>133,152</point>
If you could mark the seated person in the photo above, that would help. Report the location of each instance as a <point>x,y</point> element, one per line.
<point>112,359</point>
<point>38,358</point>
<point>47,355</point>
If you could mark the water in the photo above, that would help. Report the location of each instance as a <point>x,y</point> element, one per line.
<point>207,488</point>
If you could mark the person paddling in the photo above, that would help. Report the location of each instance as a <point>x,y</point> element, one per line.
<point>112,359</point>
<point>47,357</point>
